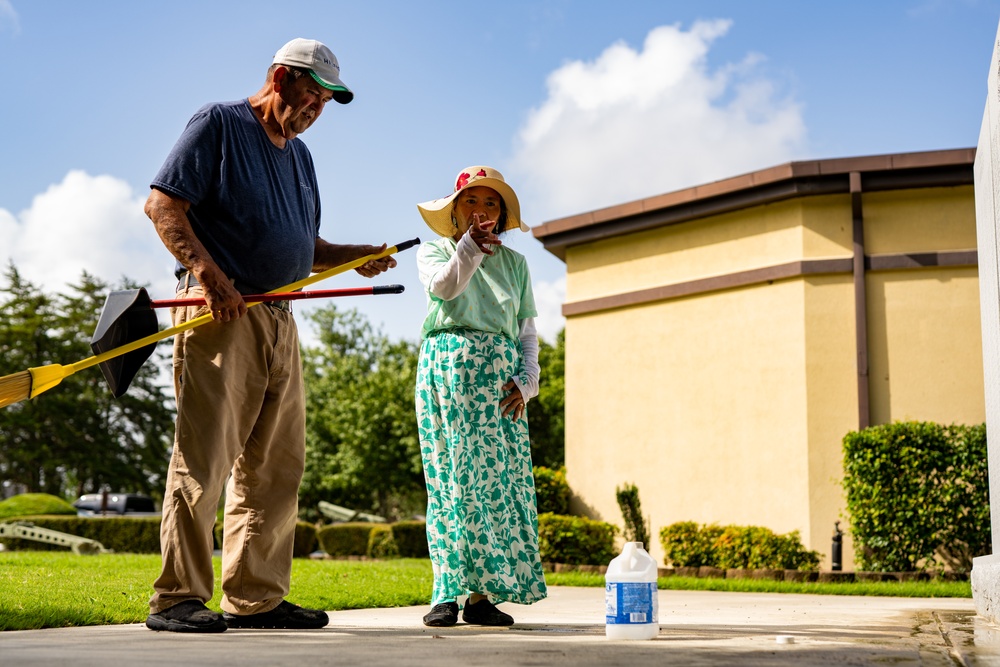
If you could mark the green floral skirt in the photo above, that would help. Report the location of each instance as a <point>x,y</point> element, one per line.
<point>482,520</point>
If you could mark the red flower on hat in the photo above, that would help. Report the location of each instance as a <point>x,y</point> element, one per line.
<point>462,181</point>
<point>481,172</point>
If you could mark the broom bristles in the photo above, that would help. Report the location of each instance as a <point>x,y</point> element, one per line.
<point>15,388</point>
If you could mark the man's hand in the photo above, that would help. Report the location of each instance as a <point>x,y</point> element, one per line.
<point>373,267</point>
<point>169,216</point>
<point>222,298</point>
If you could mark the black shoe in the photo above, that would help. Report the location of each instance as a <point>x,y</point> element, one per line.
<point>286,616</point>
<point>187,616</point>
<point>442,615</point>
<point>485,613</point>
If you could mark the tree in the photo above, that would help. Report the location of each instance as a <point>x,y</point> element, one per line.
<point>361,429</point>
<point>26,317</point>
<point>546,413</point>
<point>76,438</point>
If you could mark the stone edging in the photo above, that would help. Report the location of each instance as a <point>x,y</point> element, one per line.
<point>707,572</point>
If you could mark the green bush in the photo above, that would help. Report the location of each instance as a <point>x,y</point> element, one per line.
<point>967,533</point>
<point>916,490</point>
<point>346,539</point>
<point>576,540</point>
<point>411,538</point>
<point>551,490</point>
<point>120,534</point>
<point>34,504</point>
<point>756,547</point>
<point>381,543</point>
<point>686,544</point>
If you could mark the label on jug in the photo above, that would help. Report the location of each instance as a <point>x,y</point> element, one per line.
<point>631,603</point>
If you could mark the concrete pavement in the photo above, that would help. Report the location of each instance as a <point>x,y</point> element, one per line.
<point>696,628</point>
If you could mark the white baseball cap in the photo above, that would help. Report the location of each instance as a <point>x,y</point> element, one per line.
<point>319,60</point>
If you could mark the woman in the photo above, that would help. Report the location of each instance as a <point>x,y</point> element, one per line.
<point>478,369</point>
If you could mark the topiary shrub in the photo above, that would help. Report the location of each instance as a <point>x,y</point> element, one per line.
<point>551,490</point>
<point>575,540</point>
<point>411,538</point>
<point>34,504</point>
<point>346,539</point>
<point>381,543</point>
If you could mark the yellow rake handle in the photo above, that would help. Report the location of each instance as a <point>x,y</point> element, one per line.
<point>44,378</point>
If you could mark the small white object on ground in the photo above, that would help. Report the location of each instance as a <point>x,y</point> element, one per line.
<point>785,639</point>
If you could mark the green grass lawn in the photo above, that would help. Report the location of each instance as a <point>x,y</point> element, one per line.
<point>43,589</point>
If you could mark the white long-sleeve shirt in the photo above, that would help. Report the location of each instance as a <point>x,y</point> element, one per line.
<point>450,280</point>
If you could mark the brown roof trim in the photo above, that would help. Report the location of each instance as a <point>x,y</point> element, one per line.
<point>713,284</point>
<point>767,274</point>
<point>794,179</point>
<point>919,260</point>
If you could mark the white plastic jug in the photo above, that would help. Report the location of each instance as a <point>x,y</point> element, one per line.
<point>630,598</point>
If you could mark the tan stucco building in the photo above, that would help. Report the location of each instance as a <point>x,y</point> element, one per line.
<point>721,340</point>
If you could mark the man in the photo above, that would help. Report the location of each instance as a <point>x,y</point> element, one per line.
<point>237,204</point>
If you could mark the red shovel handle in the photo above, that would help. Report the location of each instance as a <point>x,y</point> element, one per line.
<point>289,296</point>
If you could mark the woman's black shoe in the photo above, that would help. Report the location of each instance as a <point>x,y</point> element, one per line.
<point>485,613</point>
<point>442,615</point>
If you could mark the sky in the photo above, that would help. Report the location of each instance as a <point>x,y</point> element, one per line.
<point>582,104</point>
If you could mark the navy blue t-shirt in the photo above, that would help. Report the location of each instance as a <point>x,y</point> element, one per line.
<point>254,206</point>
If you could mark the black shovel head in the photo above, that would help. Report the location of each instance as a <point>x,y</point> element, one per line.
<point>127,317</point>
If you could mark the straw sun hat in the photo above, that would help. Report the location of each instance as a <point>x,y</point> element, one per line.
<point>437,213</point>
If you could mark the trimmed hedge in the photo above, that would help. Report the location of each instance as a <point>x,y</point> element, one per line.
<point>120,534</point>
<point>757,548</point>
<point>305,539</point>
<point>575,539</point>
<point>562,539</point>
<point>686,544</point>
<point>139,535</point>
<point>346,539</point>
<point>381,543</point>
<point>917,492</point>
<point>551,490</point>
<point>411,538</point>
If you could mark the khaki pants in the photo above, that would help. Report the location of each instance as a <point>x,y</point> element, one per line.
<point>240,412</point>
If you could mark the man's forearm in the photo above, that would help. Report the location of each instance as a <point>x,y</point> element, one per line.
<point>169,217</point>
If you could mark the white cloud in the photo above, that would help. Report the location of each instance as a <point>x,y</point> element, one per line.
<point>86,223</point>
<point>549,298</point>
<point>634,124</point>
<point>8,17</point>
